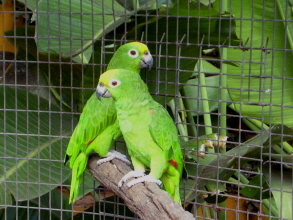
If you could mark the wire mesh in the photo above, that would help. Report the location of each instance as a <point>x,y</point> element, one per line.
<point>222,69</point>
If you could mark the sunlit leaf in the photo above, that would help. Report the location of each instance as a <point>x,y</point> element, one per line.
<point>263,83</point>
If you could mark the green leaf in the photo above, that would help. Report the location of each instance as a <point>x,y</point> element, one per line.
<point>260,189</point>
<point>213,31</point>
<point>262,83</point>
<point>85,56</point>
<point>55,201</point>
<point>218,167</point>
<point>207,2</point>
<point>32,143</point>
<point>69,27</point>
<point>191,91</point>
<point>45,207</point>
<point>172,57</point>
<point>249,149</point>
<point>285,14</point>
<point>173,62</point>
<point>30,76</point>
<point>58,70</point>
<point>279,134</point>
<point>280,182</point>
<point>281,158</point>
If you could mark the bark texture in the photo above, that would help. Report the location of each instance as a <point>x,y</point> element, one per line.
<point>146,200</point>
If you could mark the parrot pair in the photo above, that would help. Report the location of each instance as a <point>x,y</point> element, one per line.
<point>98,127</point>
<point>148,130</point>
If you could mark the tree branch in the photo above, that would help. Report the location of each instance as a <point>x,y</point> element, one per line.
<point>146,200</point>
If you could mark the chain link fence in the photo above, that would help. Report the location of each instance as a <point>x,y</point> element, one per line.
<point>222,68</point>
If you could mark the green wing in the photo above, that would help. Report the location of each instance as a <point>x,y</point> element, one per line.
<point>164,133</point>
<point>96,116</point>
<point>96,131</point>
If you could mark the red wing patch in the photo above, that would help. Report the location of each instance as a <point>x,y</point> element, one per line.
<point>173,163</point>
<point>151,111</point>
<point>88,143</point>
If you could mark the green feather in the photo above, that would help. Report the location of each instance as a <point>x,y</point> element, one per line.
<point>98,127</point>
<point>147,128</point>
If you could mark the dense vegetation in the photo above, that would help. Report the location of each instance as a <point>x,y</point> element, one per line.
<point>221,67</point>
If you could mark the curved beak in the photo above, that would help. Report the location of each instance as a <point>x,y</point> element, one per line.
<point>102,91</point>
<point>147,60</point>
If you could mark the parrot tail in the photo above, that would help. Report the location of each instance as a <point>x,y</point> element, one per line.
<point>76,176</point>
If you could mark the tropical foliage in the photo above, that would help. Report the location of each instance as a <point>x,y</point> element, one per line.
<point>222,69</point>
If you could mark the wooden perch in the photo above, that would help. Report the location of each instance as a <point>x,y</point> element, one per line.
<point>146,200</point>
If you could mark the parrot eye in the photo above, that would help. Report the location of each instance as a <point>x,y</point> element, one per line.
<point>114,83</point>
<point>133,53</point>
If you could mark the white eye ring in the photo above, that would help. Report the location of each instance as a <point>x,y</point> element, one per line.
<point>133,53</point>
<point>114,83</point>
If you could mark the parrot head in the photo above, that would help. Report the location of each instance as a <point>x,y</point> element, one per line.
<point>114,83</point>
<point>132,56</point>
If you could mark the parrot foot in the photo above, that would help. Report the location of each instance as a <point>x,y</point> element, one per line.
<point>130,175</point>
<point>147,178</point>
<point>112,155</point>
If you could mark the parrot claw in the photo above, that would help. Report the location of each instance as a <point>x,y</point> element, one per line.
<point>130,175</point>
<point>112,155</point>
<point>147,178</point>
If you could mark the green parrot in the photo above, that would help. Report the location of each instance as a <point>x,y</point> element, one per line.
<point>148,130</point>
<point>98,127</point>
